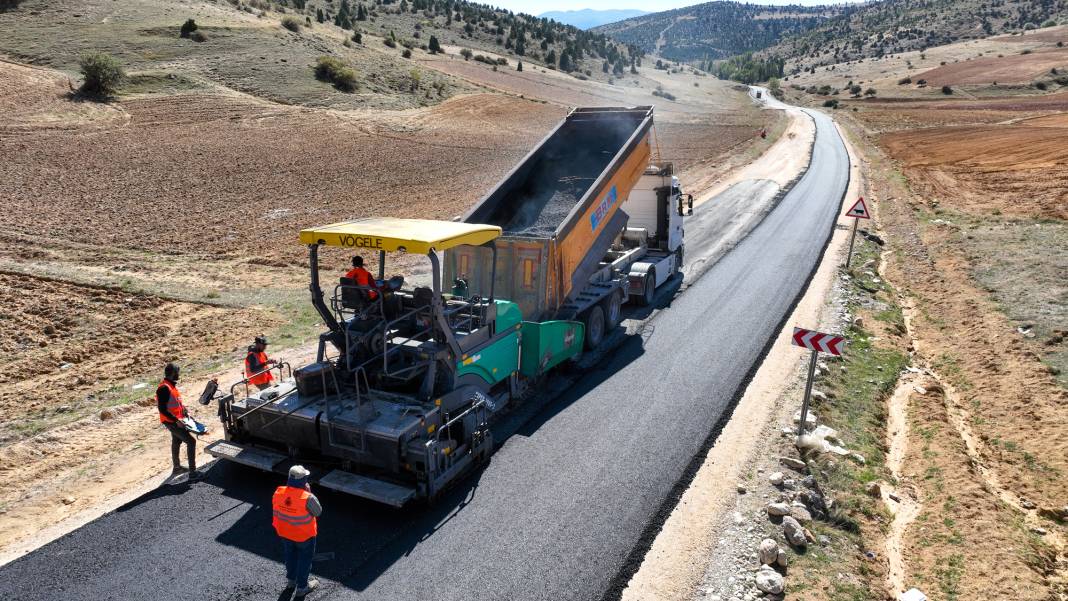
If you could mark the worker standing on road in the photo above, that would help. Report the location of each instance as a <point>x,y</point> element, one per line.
<point>171,413</point>
<point>362,277</point>
<point>256,361</point>
<point>296,512</point>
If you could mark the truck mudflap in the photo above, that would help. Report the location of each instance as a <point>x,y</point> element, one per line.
<point>252,457</point>
<point>368,488</point>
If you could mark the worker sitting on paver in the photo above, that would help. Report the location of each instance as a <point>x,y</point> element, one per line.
<point>256,362</point>
<point>362,277</point>
<point>295,519</point>
<point>171,413</point>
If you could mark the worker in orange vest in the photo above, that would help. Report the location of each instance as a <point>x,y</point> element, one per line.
<point>171,413</point>
<point>296,513</point>
<point>256,361</point>
<point>362,277</point>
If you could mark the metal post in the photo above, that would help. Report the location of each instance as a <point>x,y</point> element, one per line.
<point>808,394</point>
<point>849,257</point>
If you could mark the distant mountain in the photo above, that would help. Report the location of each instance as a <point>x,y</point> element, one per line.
<point>813,36</point>
<point>587,17</point>
<point>716,30</point>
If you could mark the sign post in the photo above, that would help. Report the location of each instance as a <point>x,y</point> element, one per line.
<point>817,342</point>
<point>858,211</point>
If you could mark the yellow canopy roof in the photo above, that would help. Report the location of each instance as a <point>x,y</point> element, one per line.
<point>393,234</point>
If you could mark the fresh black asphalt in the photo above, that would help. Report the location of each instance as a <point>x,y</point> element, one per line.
<point>562,511</point>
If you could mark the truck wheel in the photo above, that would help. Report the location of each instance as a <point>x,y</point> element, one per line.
<point>594,327</point>
<point>613,310</point>
<point>649,292</point>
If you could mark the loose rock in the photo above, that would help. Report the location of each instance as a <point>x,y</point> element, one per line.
<point>778,510</point>
<point>68,500</point>
<point>800,513</point>
<point>874,489</point>
<point>794,532</point>
<point>858,458</point>
<point>780,559</point>
<point>794,464</point>
<point>769,581</point>
<point>769,551</point>
<point>106,414</point>
<point>776,478</point>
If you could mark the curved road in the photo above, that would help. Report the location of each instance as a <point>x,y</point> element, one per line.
<point>564,509</point>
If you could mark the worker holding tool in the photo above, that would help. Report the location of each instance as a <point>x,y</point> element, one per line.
<point>256,361</point>
<point>362,277</point>
<point>171,414</point>
<point>296,513</point>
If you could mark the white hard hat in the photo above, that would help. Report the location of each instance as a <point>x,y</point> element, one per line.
<point>298,472</point>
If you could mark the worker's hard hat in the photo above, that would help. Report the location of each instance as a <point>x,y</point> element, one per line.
<point>298,472</point>
<point>261,340</point>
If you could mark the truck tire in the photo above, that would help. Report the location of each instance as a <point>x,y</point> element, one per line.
<point>649,292</point>
<point>613,310</point>
<point>594,320</point>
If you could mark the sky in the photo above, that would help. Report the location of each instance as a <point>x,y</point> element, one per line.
<point>536,7</point>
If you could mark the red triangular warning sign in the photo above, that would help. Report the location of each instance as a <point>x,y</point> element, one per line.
<point>859,210</point>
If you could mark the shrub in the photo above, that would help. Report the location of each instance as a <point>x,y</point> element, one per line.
<point>6,5</point>
<point>198,36</point>
<point>870,92</point>
<point>390,42</point>
<point>1060,44</point>
<point>330,69</point>
<point>661,93</point>
<point>291,23</point>
<point>466,53</point>
<point>904,80</point>
<point>1028,51</point>
<point>1041,85</point>
<point>434,46</point>
<point>947,90</point>
<point>831,103</point>
<point>187,28</point>
<point>855,89</point>
<point>1049,23</point>
<point>103,74</point>
<point>357,37</point>
<point>407,53</point>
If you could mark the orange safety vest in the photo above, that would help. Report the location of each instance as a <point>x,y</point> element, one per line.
<point>174,405</point>
<point>265,377</point>
<point>291,518</point>
<point>362,277</point>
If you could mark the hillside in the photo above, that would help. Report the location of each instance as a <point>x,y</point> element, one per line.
<point>588,18</point>
<point>822,35</point>
<point>716,30</point>
<point>895,26</point>
<point>267,49</point>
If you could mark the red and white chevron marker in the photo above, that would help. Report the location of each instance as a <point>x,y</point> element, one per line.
<point>818,341</point>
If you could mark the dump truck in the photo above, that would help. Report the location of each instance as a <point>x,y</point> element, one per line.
<point>408,378</point>
<point>590,221</point>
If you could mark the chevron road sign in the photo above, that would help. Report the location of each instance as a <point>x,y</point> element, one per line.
<point>818,341</point>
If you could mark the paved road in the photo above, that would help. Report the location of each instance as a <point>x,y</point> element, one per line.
<point>561,512</point>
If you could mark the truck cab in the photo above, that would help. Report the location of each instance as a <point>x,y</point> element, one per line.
<point>656,207</point>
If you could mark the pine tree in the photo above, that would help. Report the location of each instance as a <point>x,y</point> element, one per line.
<point>361,13</point>
<point>319,16</point>
<point>519,67</point>
<point>433,47</point>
